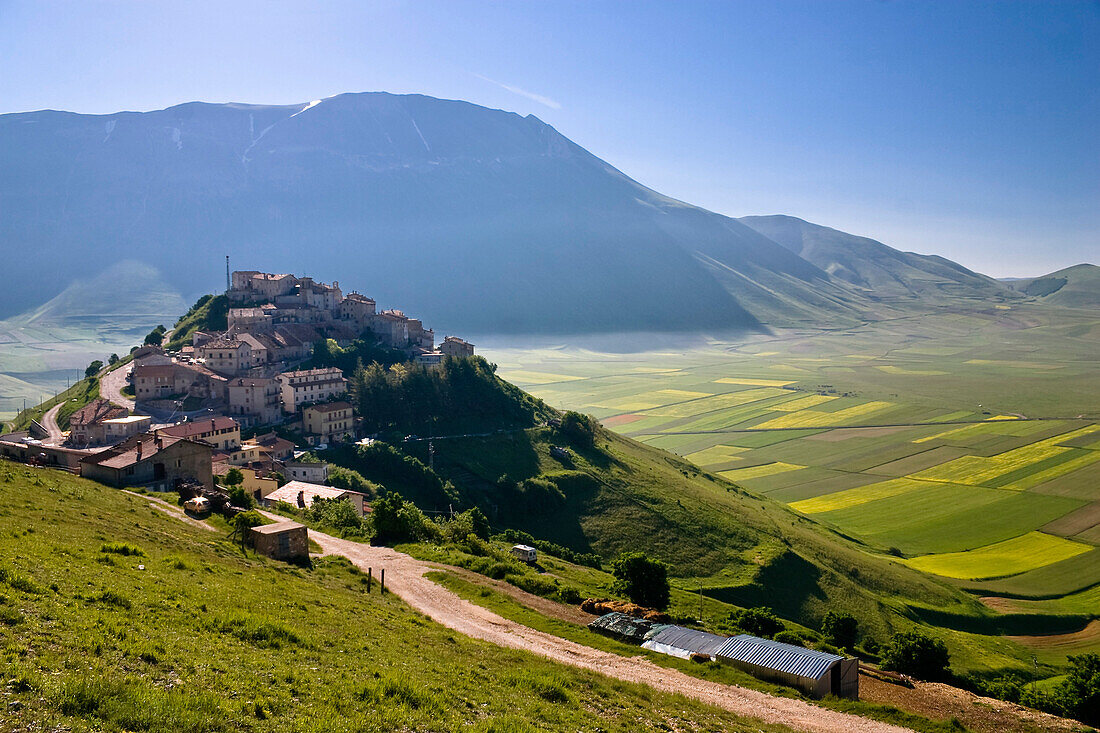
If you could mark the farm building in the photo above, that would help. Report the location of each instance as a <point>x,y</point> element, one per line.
<point>676,641</point>
<point>815,673</point>
<point>281,541</point>
<point>525,553</point>
<point>302,495</point>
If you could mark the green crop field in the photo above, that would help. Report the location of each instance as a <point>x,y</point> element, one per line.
<point>962,442</point>
<point>1017,555</point>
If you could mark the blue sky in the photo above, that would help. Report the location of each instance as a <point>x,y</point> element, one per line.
<point>966,129</point>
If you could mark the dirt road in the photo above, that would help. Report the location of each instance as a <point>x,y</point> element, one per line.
<point>405,577</point>
<point>49,421</point>
<point>111,384</point>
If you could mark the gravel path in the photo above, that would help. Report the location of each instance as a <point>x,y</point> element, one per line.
<point>405,577</point>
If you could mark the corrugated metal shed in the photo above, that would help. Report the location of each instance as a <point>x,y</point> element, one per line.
<point>680,642</point>
<point>786,658</point>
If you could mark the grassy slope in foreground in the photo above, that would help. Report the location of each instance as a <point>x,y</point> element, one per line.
<point>742,549</point>
<point>204,639</point>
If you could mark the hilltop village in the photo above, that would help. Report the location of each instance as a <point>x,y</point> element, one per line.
<point>175,416</point>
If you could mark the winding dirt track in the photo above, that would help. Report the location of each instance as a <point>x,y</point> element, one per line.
<point>405,577</point>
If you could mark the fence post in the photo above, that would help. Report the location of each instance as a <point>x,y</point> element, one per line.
<point>369,578</point>
<point>382,582</point>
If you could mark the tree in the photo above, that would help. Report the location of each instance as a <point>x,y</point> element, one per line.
<point>93,369</point>
<point>758,621</point>
<point>913,653</point>
<point>840,628</point>
<point>234,477</point>
<point>339,514</point>
<point>112,359</point>
<point>156,336</point>
<point>1079,694</point>
<point>642,580</point>
<point>394,520</point>
<point>580,428</point>
<point>243,523</point>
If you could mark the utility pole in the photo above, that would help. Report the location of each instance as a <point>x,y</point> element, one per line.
<point>228,282</point>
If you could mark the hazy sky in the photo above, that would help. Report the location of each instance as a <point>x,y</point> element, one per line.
<point>966,129</point>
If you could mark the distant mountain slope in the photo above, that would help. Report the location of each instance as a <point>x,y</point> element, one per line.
<point>874,267</point>
<point>474,219</point>
<point>1073,287</point>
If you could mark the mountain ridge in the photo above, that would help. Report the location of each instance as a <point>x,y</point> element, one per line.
<point>479,220</point>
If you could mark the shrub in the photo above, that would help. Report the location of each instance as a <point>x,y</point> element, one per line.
<point>758,621</point>
<point>240,496</point>
<point>339,514</point>
<point>840,628</point>
<point>121,548</point>
<point>789,637</point>
<point>913,653</point>
<point>581,429</point>
<point>642,580</point>
<point>1079,694</point>
<point>393,520</point>
<point>93,369</point>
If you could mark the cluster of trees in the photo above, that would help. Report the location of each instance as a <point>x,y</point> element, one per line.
<point>156,336</point>
<point>395,470</point>
<point>364,350</point>
<point>642,579</point>
<point>1077,696</point>
<point>460,395</point>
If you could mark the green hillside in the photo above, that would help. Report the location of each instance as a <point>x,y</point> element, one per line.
<point>739,548</point>
<point>115,616</point>
<point>1073,287</point>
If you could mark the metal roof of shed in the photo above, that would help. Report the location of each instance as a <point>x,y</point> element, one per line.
<point>778,656</point>
<point>689,640</point>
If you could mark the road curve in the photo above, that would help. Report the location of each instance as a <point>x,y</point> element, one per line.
<point>111,384</point>
<point>49,421</point>
<point>405,577</point>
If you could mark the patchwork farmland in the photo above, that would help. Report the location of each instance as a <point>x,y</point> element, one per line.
<point>966,446</point>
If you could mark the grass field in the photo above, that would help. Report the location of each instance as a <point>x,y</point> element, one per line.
<point>958,434</point>
<point>117,617</point>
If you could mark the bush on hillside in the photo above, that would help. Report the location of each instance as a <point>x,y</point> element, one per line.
<point>394,520</point>
<point>351,480</point>
<point>93,369</point>
<point>581,429</point>
<point>760,621</point>
<point>917,655</point>
<point>840,628</point>
<point>156,336</point>
<point>337,514</point>
<point>1078,696</point>
<point>641,579</point>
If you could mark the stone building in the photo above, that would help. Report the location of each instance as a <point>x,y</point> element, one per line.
<point>254,400</point>
<point>328,422</point>
<point>83,422</point>
<point>281,541</point>
<point>158,461</point>
<point>309,386</point>
<point>228,357</point>
<point>454,346</point>
<point>221,432</point>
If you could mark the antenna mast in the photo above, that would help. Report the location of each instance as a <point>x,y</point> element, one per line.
<point>228,285</point>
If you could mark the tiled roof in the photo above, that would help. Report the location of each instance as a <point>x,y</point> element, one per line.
<point>95,411</point>
<point>199,427</point>
<point>288,493</point>
<point>328,407</point>
<point>126,453</point>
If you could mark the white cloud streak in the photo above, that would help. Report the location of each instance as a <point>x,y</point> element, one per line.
<point>522,92</point>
